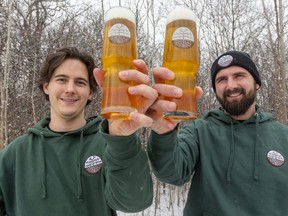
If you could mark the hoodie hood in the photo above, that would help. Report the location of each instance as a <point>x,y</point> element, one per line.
<point>218,115</point>
<point>42,127</point>
<point>42,131</point>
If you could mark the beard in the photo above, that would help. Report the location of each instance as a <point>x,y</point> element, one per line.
<point>237,108</point>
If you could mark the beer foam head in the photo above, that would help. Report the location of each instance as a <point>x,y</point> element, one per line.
<point>181,13</point>
<point>120,12</point>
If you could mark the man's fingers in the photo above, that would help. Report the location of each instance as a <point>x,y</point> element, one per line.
<point>168,90</point>
<point>199,92</point>
<point>149,95</point>
<point>134,75</point>
<point>160,74</point>
<point>128,126</point>
<point>99,76</point>
<point>163,106</point>
<point>140,65</point>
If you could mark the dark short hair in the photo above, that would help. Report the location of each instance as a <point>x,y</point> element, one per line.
<point>56,58</point>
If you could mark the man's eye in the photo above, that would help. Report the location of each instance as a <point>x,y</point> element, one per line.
<point>239,75</point>
<point>81,83</point>
<point>61,80</point>
<point>220,80</point>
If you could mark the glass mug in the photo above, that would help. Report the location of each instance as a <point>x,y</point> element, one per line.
<point>181,56</point>
<point>118,52</point>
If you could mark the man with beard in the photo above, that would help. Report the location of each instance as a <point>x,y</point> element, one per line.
<point>236,155</point>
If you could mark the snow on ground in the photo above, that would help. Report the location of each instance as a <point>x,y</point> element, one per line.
<point>168,201</point>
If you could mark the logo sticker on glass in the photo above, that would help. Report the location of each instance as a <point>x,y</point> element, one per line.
<point>119,34</point>
<point>183,38</point>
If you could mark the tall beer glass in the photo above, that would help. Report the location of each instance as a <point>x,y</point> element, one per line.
<point>119,50</point>
<point>181,56</point>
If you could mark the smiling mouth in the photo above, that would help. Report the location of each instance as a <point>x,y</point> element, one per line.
<point>233,95</point>
<point>69,99</point>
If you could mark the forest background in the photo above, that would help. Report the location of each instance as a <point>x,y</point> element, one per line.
<point>30,29</point>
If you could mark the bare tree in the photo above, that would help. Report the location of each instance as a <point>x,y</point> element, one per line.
<point>277,49</point>
<point>282,54</point>
<point>4,84</point>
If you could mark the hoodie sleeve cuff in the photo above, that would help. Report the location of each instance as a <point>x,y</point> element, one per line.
<point>120,147</point>
<point>163,142</point>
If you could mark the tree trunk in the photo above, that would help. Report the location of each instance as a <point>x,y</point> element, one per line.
<point>282,56</point>
<point>4,90</point>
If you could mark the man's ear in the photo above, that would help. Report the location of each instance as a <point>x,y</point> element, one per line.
<point>45,88</point>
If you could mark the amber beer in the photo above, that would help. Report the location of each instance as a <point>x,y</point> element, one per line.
<point>119,50</point>
<point>181,56</point>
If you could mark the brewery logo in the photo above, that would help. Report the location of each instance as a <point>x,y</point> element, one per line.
<point>93,164</point>
<point>275,158</point>
<point>119,34</point>
<point>183,38</point>
<point>225,60</point>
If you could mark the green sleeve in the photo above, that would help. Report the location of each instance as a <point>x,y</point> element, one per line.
<point>2,206</point>
<point>129,186</point>
<point>173,156</point>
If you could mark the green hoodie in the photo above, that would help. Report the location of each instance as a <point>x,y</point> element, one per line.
<point>237,168</point>
<point>85,173</point>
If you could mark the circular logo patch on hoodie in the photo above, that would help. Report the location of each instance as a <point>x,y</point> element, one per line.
<point>275,158</point>
<point>93,164</point>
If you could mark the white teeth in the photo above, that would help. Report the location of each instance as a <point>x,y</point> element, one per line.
<point>69,100</point>
<point>234,94</point>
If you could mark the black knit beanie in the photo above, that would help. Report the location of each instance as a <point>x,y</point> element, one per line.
<point>236,58</point>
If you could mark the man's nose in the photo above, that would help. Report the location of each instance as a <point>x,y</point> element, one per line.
<point>70,87</point>
<point>231,84</point>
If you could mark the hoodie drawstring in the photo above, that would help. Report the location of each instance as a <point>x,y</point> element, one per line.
<point>256,151</point>
<point>44,185</point>
<point>43,168</point>
<point>232,154</point>
<point>80,188</point>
